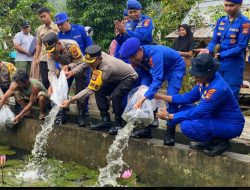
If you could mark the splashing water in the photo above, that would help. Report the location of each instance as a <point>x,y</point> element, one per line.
<point>111,172</point>
<point>35,170</point>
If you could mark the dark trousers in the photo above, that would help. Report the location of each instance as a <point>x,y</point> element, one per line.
<point>117,90</point>
<point>44,73</point>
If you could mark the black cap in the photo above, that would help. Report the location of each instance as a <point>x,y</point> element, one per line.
<point>50,41</point>
<point>204,65</point>
<point>92,52</point>
<point>25,24</point>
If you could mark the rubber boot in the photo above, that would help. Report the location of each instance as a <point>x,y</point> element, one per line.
<point>155,123</point>
<point>103,124</point>
<point>142,133</point>
<point>118,124</point>
<point>169,139</point>
<point>82,119</point>
<point>61,117</point>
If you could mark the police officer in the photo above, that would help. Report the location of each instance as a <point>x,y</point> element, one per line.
<point>68,54</point>
<point>139,25</point>
<point>158,64</point>
<point>217,117</point>
<point>6,72</point>
<point>110,77</point>
<point>229,42</point>
<point>77,33</point>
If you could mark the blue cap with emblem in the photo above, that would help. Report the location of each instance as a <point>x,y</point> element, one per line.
<point>235,1</point>
<point>133,4</point>
<point>61,18</point>
<point>130,47</point>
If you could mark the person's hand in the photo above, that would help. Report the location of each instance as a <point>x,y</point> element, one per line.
<point>65,104</point>
<point>57,73</point>
<point>50,90</point>
<point>16,119</point>
<point>139,103</point>
<point>217,55</point>
<point>162,113</point>
<point>65,68</point>
<point>201,50</point>
<point>120,26</point>
<point>69,74</point>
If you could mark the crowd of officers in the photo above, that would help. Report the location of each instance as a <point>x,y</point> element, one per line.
<point>136,60</point>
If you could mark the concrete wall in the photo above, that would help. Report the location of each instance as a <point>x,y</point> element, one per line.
<point>154,163</point>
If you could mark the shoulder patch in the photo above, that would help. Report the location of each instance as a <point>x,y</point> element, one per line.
<point>146,23</point>
<point>246,28</point>
<point>209,94</point>
<point>151,62</point>
<point>75,52</point>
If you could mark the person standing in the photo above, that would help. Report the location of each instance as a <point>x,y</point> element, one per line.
<point>40,56</point>
<point>22,41</point>
<point>229,42</point>
<point>76,32</point>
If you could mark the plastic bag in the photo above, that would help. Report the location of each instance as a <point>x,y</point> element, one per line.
<point>6,117</point>
<point>141,117</point>
<point>60,89</point>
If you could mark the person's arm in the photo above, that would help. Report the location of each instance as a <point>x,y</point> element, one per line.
<point>17,41</point>
<point>241,44</point>
<point>216,38</point>
<point>8,93</point>
<point>34,94</point>
<point>87,39</point>
<point>212,101</point>
<point>38,49</point>
<point>186,54</point>
<point>156,72</point>
<point>186,98</point>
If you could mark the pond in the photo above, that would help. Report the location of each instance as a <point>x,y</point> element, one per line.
<point>57,173</point>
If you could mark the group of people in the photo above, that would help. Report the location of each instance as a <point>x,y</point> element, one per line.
<point>209,113</point>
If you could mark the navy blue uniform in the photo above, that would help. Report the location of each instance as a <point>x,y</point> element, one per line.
<point>217,114</point>
<point>78,33</point>
<point>233,39</point>
<point>161,64</point>
<point>141,29</point>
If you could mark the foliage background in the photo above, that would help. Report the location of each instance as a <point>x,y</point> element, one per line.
<point>167,16</point>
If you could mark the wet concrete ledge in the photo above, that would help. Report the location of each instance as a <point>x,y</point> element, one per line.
<point>154,163</point>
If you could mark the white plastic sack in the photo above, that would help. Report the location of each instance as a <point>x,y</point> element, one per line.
<point>60,89</point>
<point>6,117</point>
<point>141,117</point>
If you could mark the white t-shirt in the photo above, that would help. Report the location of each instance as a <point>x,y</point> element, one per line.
<point>24,41</point>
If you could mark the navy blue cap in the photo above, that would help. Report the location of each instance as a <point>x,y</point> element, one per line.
<point>125,12</point>
<point>130,47</point>
<point>61,18</point>
<point>204,65</point>
<point>133,4</point>
<point>235,1</point>
<point>25,24</point>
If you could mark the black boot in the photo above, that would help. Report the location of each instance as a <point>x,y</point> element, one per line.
<point>199,145</point>
<point>155,123</point>
<point>169,139</point>
<point>82,119</point>
<point>117,126</point>
<point>217,147</point>
<point>61,117</point>
<point>142,133</point>
<point>105,123</point>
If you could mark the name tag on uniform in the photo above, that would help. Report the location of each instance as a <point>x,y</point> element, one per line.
<point>218,34</point>
<point>139,25</point>
<point>221,28</point>
<point>78,36</point>
<point>234,29</point>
